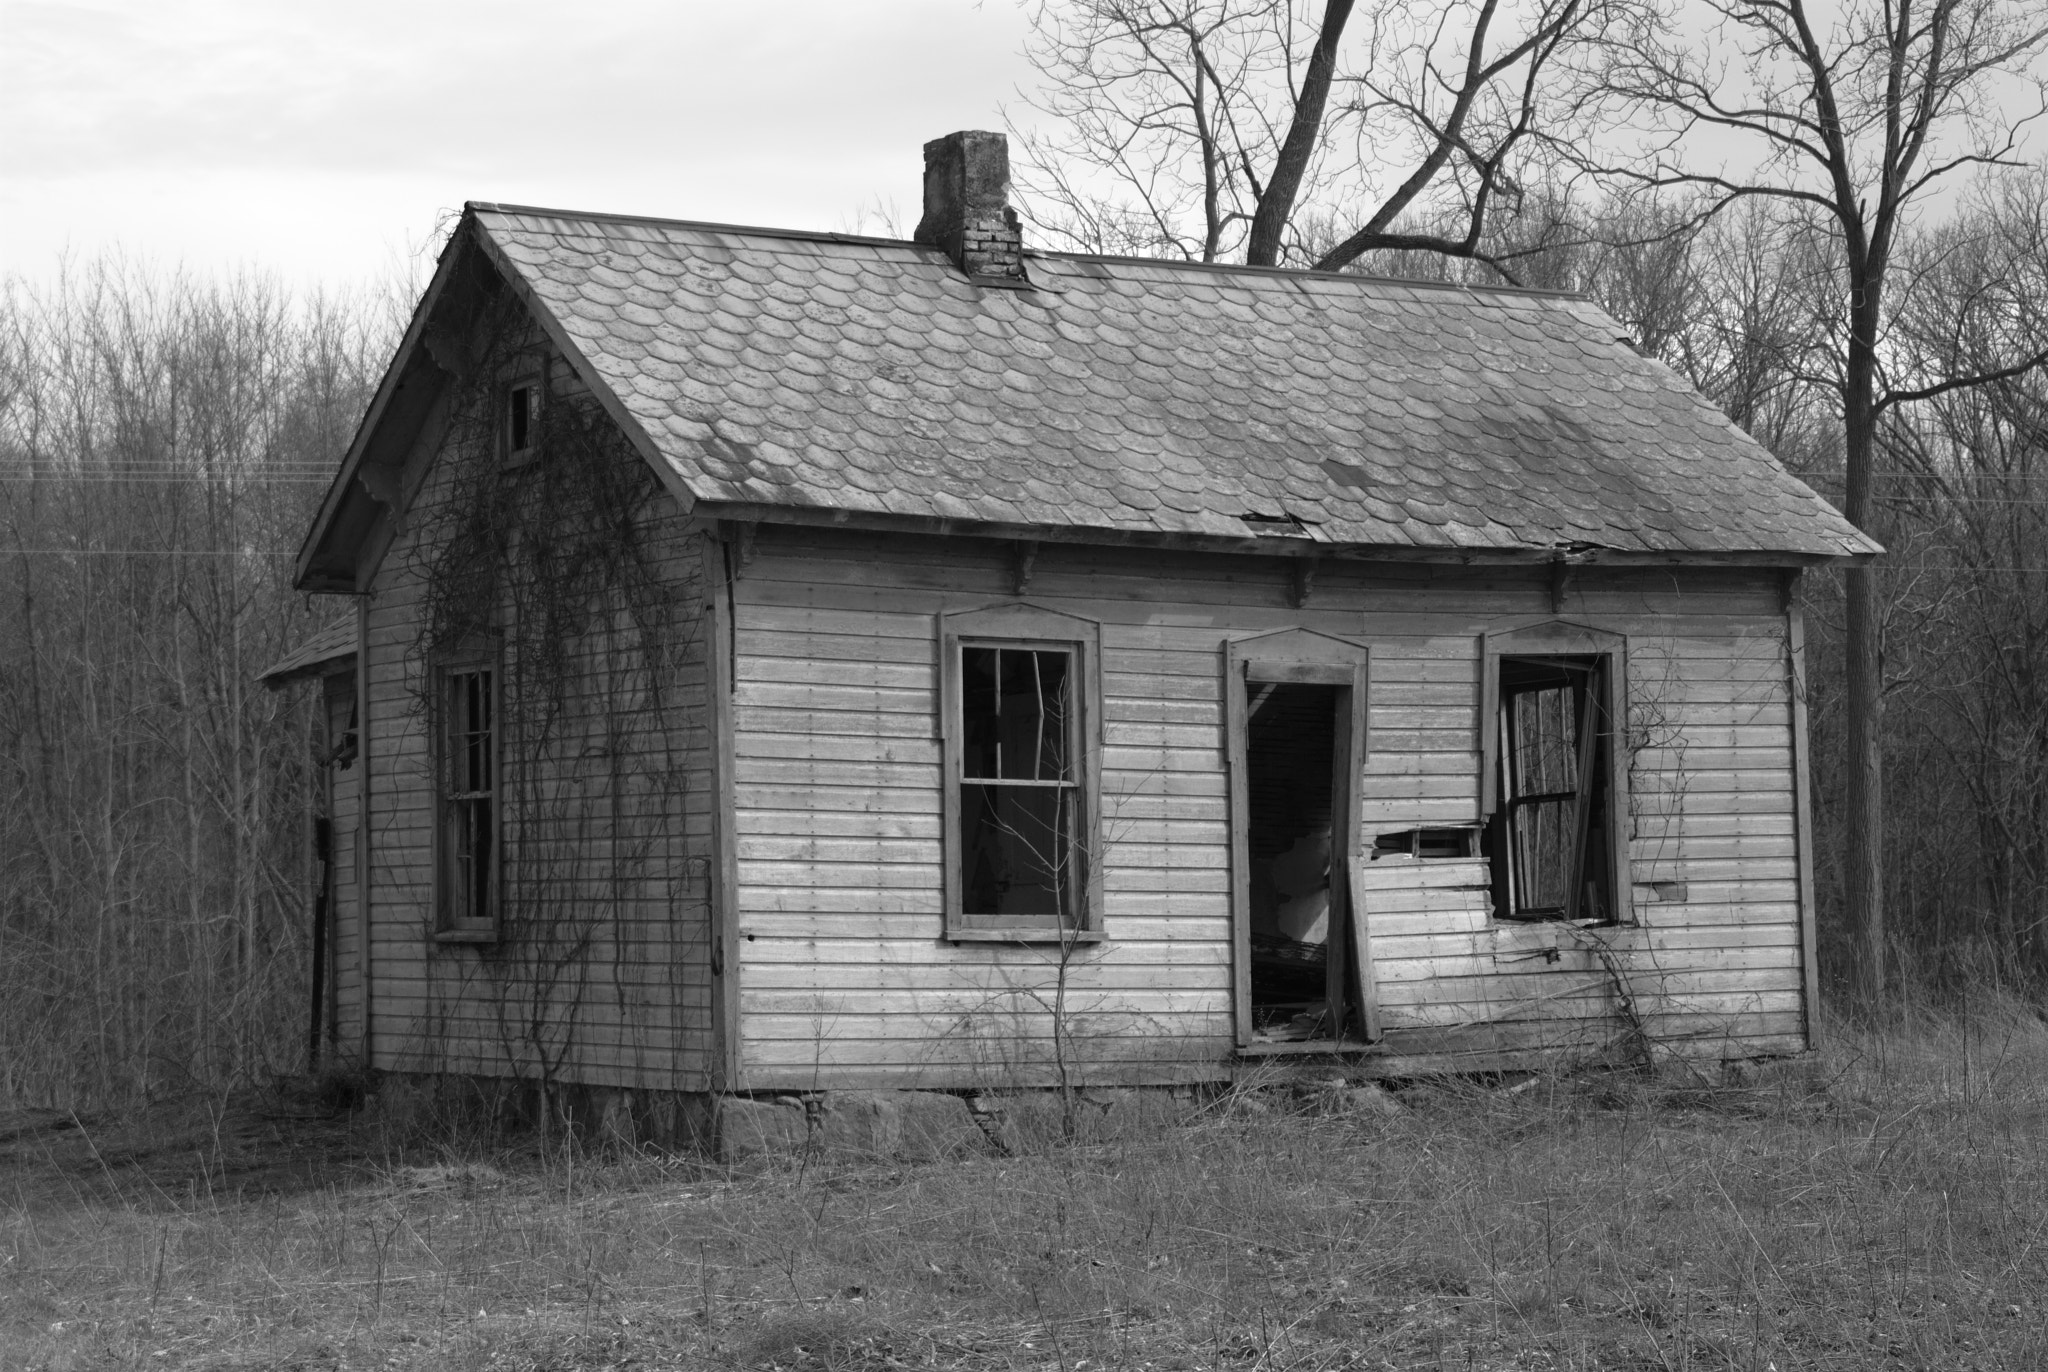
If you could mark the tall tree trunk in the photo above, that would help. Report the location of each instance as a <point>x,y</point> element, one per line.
<point>1863,760</point>
<point>1283,187</point>
<point>1863,756</point>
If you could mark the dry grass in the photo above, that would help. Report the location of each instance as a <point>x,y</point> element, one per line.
<point>1882,1207</point>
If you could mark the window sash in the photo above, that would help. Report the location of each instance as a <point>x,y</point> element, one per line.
<point>1039,853</point>
<point>1035,874</point>
<point>1059,778</point>
<point>467,828</point>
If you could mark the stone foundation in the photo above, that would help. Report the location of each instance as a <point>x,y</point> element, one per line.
<point>907,1126</point>
<point>598,1116</point>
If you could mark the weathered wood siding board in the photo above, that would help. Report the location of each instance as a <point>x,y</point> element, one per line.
<point>345,919</point>
<point>604,973</point>
<point>838,805</point>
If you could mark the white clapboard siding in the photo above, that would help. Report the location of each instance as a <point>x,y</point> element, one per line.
<point>846,978</point>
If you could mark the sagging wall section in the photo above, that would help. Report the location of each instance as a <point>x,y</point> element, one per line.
<point>845,979</point>
<point>574,572</point>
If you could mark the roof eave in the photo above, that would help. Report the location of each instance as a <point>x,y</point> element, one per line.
<point>1269,545</point>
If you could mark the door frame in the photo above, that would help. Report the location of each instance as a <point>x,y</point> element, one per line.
<point>1304,657</point>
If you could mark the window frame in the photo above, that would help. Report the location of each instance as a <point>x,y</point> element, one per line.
<point>1023,627</point>
<point>530,376</point>
<point>1555,638</point>
<point>448,668</point>
<point>1304,656</point>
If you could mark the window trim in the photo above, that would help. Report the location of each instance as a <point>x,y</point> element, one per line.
<point>446,667</point>
<point>1306,656</point>
<point>1562,638</point>
<point>1022,626</point>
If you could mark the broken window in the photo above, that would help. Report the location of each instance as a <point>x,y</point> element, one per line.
<point>1018,787</point>
<point>1552,840</point>
<point>467,836</point>
<point>1436,844</point>
<point>1019,775</point>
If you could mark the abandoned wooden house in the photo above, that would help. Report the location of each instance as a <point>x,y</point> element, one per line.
<point>792,661</point>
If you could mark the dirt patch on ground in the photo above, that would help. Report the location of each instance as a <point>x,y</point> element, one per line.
<point>236,1145</point>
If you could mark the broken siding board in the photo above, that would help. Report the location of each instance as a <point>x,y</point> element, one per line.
<point>1472,974</point>
<point>1463,1041</point>
<point>1594,1010</point>
<point>1427,941</point>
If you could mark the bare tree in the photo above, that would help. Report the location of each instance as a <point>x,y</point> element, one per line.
<point>1964,493</point>
<point>162,441</point>
<point>1295,133</point>
<point>1844,129</point>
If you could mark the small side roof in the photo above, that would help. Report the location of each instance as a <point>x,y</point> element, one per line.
<point>775,375</point>
<point>331,650</point>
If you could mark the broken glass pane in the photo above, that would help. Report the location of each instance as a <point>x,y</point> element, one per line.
<point>1015,705</point>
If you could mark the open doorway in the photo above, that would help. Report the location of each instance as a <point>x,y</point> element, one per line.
<point>1293,795</point>
<point>1296,734</point>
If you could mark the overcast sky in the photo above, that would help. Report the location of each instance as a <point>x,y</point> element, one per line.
<point>322,140</point>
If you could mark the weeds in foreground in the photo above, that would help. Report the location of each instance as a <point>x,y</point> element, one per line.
<point>1880,1206</point>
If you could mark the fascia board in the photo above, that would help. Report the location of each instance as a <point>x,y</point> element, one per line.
<point>415,332</point>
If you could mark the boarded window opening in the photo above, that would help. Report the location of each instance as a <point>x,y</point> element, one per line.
<point>1548,843</point>
<point>1439,844</point>
<point>1018,783</point>
<point>1290,753</point>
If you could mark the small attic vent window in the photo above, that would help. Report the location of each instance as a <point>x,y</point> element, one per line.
<point>522,417</point>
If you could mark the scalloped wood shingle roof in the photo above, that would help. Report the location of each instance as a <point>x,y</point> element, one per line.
<point>821,372</point>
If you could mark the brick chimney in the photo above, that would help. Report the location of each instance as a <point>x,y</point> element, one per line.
<point>966,206</point>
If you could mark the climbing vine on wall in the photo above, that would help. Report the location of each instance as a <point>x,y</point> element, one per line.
<point>563,568</point>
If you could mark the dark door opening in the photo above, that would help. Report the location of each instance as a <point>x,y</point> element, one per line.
<point>1294,742</point>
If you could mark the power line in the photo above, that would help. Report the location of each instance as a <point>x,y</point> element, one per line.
<point>265,478</point>
<point>143,552</point>
<point>1941,500</point>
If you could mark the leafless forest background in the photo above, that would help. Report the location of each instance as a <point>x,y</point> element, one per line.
<point>163,443</point>
<point>164,439</point>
